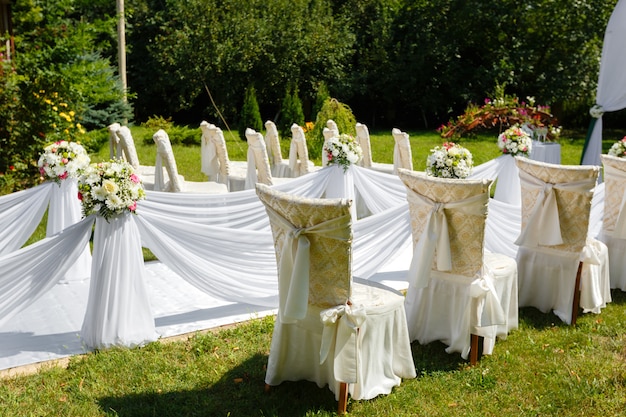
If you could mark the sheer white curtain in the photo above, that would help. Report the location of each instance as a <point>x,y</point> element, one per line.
<point>611,93</point>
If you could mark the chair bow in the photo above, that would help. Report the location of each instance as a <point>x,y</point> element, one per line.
<point>436,235</point>
<point>544,227</point>
<point>620,224</point>
<point>341,327</point>
<point>293,271</point>
<point>489,310</point>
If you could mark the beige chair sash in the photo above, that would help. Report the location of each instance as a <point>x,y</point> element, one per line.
<point>620,225</point>
<point>543,227</point>
<point>341,328</point>
<point>435,235</point>
<point>293,271</point>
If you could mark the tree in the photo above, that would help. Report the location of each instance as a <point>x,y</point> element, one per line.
<point>250,114</point>
<point>290,112</point>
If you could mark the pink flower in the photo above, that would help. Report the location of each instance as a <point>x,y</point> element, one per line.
<point>134,178</point>
<point>133,206</point>
<point>63,176</point>
<point>487,100</point>
<point>80,196</point>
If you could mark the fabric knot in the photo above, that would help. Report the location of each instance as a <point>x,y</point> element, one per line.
<point>596,111</point>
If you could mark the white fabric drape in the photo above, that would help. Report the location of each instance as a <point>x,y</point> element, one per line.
<point>611,93</point>
<point>118,310</point>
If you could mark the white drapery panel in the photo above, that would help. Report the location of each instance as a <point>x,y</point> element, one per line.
<point>611,93</point>
<point>29,272</point>
<point>20,214</point>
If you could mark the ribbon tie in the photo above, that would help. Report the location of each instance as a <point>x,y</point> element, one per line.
<point>544,227</point>
<point>341,327</point>
<point>293,271</point>
<point>436,235</point>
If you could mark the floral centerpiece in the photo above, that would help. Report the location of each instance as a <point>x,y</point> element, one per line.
<point>515,141</point>
<point>619,148</point>
<point>62,159</point>
<point>449,161</point>
<point>342,150</point>
<point>109,188</point>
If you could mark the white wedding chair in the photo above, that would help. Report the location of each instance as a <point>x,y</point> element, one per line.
<point>402,156</point>
<point>363,138</point>
<point>457,293</point>
<point>231,173</point>
<point>165,159</point>
<point>560,266</point>
<point>121,138</point>
<point>258,162</point>
<point>274,153</point>
<point>299,162</point>
<point>214,161</point>
<point>331,330</point>
<point>613,232</point>
<point>328,133</point>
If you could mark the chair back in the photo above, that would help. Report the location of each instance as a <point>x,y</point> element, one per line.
<point>272,141</point>
<point>165,157</point>
<point>128,146</point>
<point>258,162</point>
<point>464,203</point>
<point>402,156</point>
<point>115,149</point>
<point>615,188</point>
<point>570,188</point>
<point>330,275</point>
<point>363,138</point>
<point>328,133</point>
<point>298,152</point>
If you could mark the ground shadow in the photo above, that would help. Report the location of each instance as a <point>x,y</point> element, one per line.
<point>239,392</point>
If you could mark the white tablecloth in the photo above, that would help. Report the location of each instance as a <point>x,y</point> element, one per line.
<point>546,152</point>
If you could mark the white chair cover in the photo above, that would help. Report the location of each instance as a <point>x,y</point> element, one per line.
<point>258,162</point>
<point>280,169</point>
<point>454,290</point>
<point>328,133</point>
<point>177,183</point>
<point>363,138</point>
<point>319,335</point>
<point>214,155</point>
<point>402,156</point>
<point>613,232</point>
<point>556,205</point>
<point>118,310</point>
<point>115,147</point>
<point>299,163</point>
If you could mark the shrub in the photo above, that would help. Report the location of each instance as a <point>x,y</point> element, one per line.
<point>250,114</point>
<point>291,112</point>
<point>337,111</point>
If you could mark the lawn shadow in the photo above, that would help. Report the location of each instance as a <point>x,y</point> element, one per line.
<point>239,392</point>
<point>432,357</point>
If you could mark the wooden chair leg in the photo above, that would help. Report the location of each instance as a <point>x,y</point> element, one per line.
<point>576,302</point>
<point>267,388</point>
<point>475,347</point>
<point>343,398</point>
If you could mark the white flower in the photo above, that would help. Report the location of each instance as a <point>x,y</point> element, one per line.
<point>515,141</point>
<point>109,188</point>
<point>61,160</point>
<point>342,150</point>
<point>449,161</point>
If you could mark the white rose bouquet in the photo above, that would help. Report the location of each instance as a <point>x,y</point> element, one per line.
<point>342,150</point>
<point>109,188</point>
<point>449,161</point>
<point>62,159</point>
<point>515,141</point>
<point>618,148</point>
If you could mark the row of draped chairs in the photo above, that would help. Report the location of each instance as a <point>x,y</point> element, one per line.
<point>264,162</point>
<point>459,293</point>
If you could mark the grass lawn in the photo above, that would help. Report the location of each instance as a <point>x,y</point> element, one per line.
<point>545,368</point>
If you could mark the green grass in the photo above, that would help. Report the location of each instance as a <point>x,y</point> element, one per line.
<point>544,368</point>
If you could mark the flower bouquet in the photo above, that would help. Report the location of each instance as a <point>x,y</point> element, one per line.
<point>449,161</point>
<point>109,188</point>
<point>342,150</point>
<point>619,148</point>
<point>515,141</point>
<point>62,159</point>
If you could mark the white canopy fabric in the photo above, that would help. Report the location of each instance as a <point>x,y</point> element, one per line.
<point>611,93</point>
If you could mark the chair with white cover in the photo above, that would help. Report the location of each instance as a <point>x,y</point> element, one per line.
<point>214,161</point>
<point>299,162</point>
<point>231,173</point>
<point>613,232</point>
<point>176,183</point>
<point>363,138</point>
<point>402,156</point>
<point>331,330</point>
<point>457,292</point>
<point>561,268</point>
<point>274,153</point>
<point>258,162</point>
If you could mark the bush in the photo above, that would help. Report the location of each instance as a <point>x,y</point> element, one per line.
<point>250,114</point>
<point>337,111</point>
<point>291,112</point>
